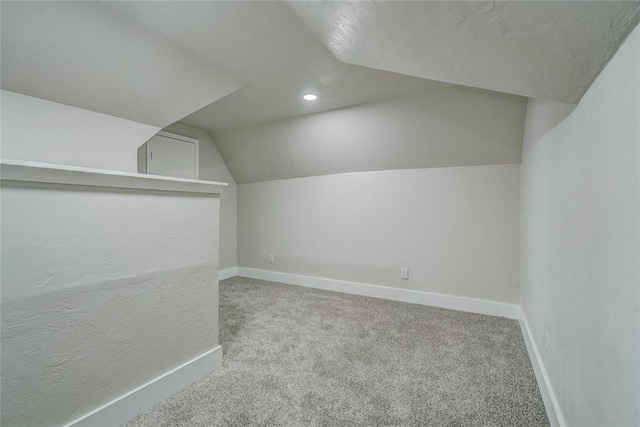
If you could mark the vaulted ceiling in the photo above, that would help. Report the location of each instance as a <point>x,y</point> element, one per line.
<point>85,55</point>
<point>217,64</point>
<point>454,126</point>
<point>267,45</point>
<point>240,68</point>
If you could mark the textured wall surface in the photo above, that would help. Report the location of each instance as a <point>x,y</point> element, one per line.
<point>456,229</point>
<point>102,291</point>
<point>581,244</point>
<point>37,130</point>
<point>213,168</point>
<point>449,127</point>
<point>543,49</point>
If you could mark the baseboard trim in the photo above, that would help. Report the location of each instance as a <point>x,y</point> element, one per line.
<point>227,273</point>
<point>472,305</point>
<point>548,396</point>
<point>135,402</point>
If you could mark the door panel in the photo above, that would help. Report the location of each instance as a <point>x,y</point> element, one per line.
<point>171,157</point>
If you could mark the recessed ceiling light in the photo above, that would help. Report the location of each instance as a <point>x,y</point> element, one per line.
<point>310,97</point>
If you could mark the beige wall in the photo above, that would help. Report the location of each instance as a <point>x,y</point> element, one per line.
<point>456,228</point>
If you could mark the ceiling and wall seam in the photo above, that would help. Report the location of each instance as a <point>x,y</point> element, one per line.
<point>457,126</point>
<point>529,48</point>
<point>630,22</point>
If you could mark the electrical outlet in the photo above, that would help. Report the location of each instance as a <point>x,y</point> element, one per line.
<point>546,342</point>
<point>404,273</point>
<point>270,258</point>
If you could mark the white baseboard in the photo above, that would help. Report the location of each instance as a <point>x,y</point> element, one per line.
<point>548,396</point>
<point>491,308</point>
<point>227,272</point>
<point>137,401</point>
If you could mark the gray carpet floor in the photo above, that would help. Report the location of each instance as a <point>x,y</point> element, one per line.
<point>296,356</point>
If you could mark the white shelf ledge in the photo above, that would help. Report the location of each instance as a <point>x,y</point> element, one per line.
<point>24,171</point>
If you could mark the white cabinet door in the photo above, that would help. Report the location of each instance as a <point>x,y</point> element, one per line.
<point>171,157</point>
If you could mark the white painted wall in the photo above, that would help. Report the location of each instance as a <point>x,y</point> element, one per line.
<point>455,126</point>
<point>43,131</point>
<point>102,291</point>
<point>213,168</point>
<point>580,280</point>
<point>456,228</point>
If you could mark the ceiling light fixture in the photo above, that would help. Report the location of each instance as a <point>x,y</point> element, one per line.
<point>310,97</point>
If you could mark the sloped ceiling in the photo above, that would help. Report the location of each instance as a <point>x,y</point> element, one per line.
<point>400,84</point>
<point>269,47</point>
<point>543,49</point>
<point>85,55</point>
<point>454,126</point>
<point>219,64</point>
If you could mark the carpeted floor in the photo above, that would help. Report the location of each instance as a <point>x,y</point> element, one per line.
<point>295,356</point>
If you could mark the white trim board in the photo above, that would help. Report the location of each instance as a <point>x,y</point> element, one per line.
<point>472,305</point>
<point>227,273</point>
<point>18,170</point>
<point>548,396</point>
<point>135,402</point>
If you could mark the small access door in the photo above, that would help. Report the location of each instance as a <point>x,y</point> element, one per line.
<point>169,155</point>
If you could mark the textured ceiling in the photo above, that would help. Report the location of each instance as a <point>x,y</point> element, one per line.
<point>219,65</point>
<point>265,44</point>
<point>542,49</point>
<point>82,54</point>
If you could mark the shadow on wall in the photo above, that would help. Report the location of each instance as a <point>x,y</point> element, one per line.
<point>551,115</point>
